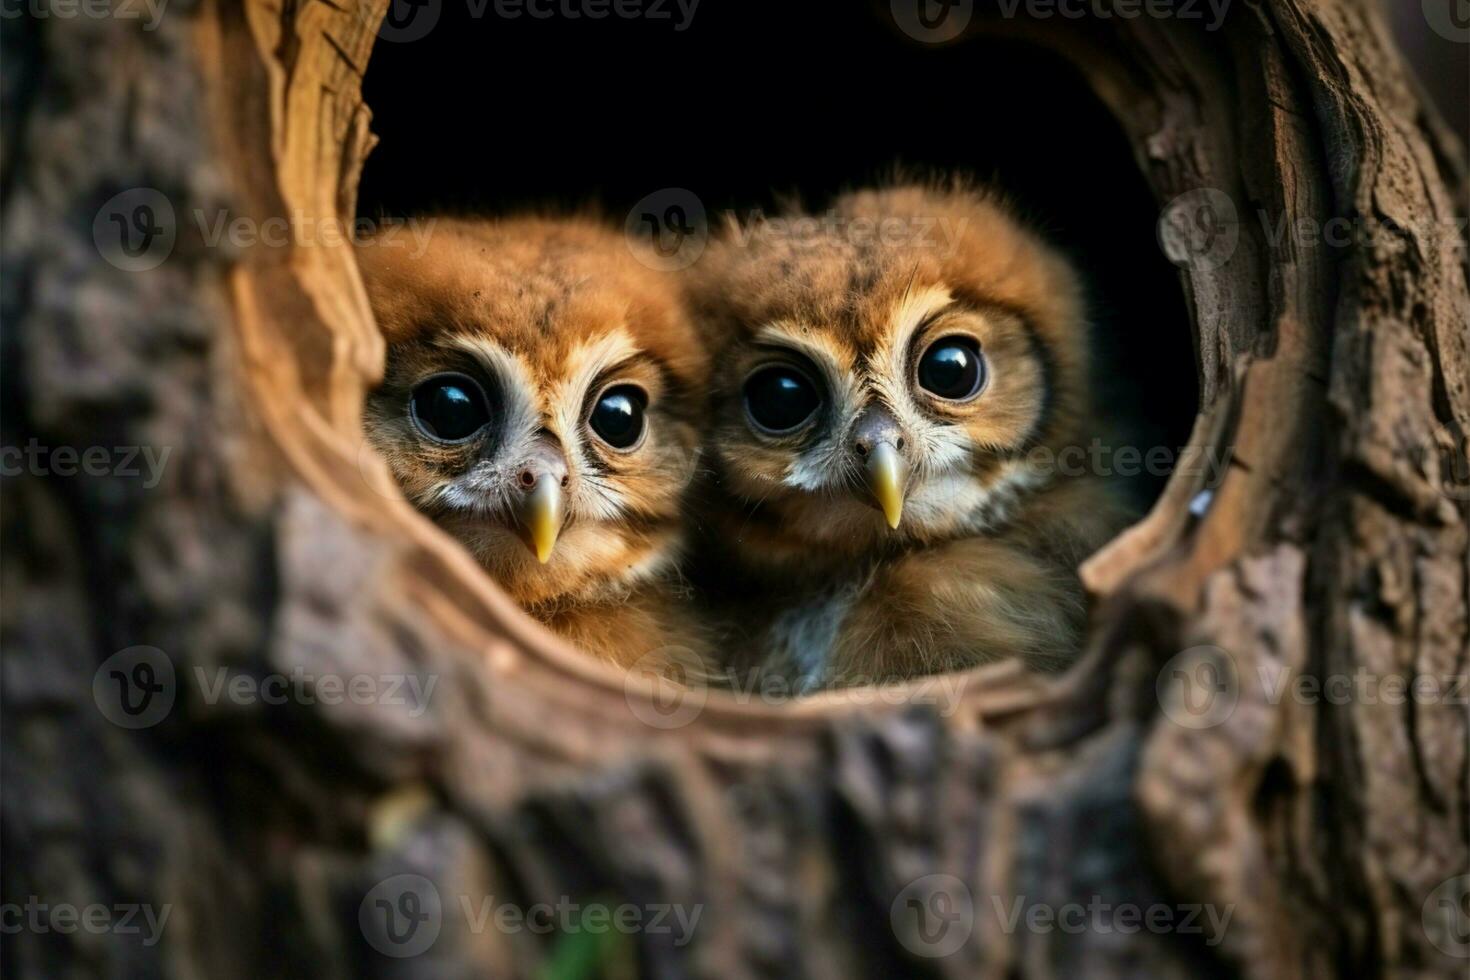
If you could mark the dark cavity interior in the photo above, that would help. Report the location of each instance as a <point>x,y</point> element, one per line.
<point>755,101</point>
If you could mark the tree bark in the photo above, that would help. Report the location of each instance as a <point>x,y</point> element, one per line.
<point>1174,767</point>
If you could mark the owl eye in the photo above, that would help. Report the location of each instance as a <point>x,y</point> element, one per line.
<point>779,398</point>
<point>952,368</point>
<point>617,418</point>
<point>449,408</point>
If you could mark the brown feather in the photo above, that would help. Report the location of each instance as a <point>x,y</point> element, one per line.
<point>983,563</point>
<point>545,314</point>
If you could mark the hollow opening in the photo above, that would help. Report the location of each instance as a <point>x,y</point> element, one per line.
<point>749,105</point>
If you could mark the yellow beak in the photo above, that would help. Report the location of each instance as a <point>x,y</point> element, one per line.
<point>541,515</point>
<point>887,474</point>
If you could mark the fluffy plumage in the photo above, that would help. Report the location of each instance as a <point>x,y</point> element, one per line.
<point>860,302</point>
<point>547,318</point>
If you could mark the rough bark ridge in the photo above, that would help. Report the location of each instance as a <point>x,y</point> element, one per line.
<point>1336,546</point>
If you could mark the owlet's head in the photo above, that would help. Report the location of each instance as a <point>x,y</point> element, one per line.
<point>885,370</point>
<point>541,402</point>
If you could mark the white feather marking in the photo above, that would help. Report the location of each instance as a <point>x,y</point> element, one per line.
<point>525,411</point>
<point>583,366</point>
<point>595,497</point>
<point>936,446</point>
<point>520,405</point>
<point>824,464</point>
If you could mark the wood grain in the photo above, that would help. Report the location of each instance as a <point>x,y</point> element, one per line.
<point>1338,378</point>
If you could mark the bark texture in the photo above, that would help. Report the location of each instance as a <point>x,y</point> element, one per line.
<point>829,839</point>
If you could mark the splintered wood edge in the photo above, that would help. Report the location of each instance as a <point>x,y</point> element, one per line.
<point>312,351</point>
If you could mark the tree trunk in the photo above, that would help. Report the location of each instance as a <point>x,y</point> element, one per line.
<point>288,826</point>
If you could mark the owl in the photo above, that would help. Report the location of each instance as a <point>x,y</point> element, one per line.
<point>542,403</point>
<point>895,382</point>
